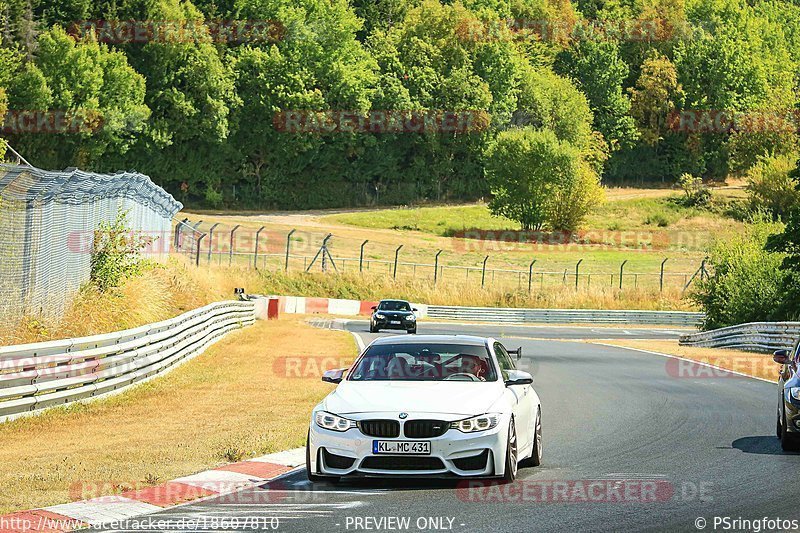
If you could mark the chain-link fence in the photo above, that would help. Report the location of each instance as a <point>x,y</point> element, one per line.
<point>476,263</point>
<point>47,225</point>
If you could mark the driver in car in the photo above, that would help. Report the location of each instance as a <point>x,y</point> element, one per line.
<point>472,364</point>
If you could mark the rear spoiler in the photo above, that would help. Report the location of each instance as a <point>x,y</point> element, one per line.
<point>517,352</point>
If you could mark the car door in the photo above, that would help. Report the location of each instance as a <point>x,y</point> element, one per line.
<point>523,411</point>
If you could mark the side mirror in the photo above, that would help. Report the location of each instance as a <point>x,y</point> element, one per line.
<point>781,357</point>
<point>333,376</point>
<point>374,307</point>
<point>518,377</point>
<point>518,352</point>
<point>414,309</point>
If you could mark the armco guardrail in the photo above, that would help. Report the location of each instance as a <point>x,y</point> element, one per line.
<point>754,336</point>
<point>565,316</point>
<point>41,375</point>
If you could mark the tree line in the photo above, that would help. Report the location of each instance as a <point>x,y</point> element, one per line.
<point>568,93</point>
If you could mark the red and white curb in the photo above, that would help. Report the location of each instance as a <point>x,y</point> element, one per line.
<point>226,479</point>
<point>306,305</point>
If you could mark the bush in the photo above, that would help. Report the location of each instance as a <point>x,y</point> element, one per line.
<point>539,180</point>
<point>695,193</point>
<point>116,253</point>
<point>746,280</point>
<point>771,188</point>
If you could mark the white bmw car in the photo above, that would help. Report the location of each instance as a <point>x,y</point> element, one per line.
<point>429,405</point>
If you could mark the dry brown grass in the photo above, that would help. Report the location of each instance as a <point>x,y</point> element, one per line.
<point>232,401</point>
<point>752,364</point>
<point>161,292</point>
<point>421,289</point>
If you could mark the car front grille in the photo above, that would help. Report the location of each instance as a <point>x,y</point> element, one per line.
<point>425,429</point>
<point>476,462</point>
<point>333,460</point>
<point>389,429</point>
<point>400,462</point>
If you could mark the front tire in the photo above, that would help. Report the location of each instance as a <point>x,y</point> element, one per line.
<point>536,454</point>
<point>373,329</point>
<point>789,441</point>
<point>510,473</point>
<point>313,478</point>
<point>412,331</point>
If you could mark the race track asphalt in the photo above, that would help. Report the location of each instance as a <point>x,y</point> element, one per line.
<point>629,445</point>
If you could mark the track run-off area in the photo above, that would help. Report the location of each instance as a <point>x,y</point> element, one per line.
<point>628,445</point>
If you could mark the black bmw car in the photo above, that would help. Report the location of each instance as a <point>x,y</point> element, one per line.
<point>393,314</point>
<point>788,425</point>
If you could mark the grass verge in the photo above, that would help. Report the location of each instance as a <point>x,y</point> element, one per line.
<point>239,399</point>
<point>162,291</point>
<point>753,364</point>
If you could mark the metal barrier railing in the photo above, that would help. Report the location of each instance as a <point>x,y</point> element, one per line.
<point>41,375</point>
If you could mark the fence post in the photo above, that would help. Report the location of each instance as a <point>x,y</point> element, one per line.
<point>197,257</point>
<point>621,268</point>
<point>396,255</point>
<point>577,270</point>
<point>483,272</point>
<point>288,243</point>
<point>211,240</point>
<point>197,225</point>
<point>703,273</point>
<point>230,252</point>
<point>255,253</point>
<point>361,256</point>
<point>178,229</point>
<point>661,282</point>
<point>436,268</point>
<point>530,275</point>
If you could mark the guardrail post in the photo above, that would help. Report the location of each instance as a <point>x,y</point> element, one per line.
<point>197,257</point>
<point>530,275</point>
<point>577,271</point>
<point>436,267</point>
<point>396,255</point>
<point>255,252</point>
<point>211,240</point>
<point>361,256</point>
<point>288,244</point>
<point>661,282</point>
<point>621,269</point>
<point>483,272</point>
<point>230,252</point>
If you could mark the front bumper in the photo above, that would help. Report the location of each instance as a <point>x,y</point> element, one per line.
<point>387,324</point>
<point>450,454</point>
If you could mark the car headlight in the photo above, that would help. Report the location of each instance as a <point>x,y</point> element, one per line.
<point>333,422</point>
<point>476,423</point>
<point>794,392</point>
<point>411,318</point>
<point>379,316</point>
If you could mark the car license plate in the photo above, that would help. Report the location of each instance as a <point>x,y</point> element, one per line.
<point>394,322</point>
<point>398,447</point>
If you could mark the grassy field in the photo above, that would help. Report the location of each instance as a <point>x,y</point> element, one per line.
<point>235,401</point>
<point>640,228</point>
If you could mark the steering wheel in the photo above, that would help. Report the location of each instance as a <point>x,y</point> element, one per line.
<point>471,377</point>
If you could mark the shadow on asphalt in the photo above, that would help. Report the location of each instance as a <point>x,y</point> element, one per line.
<point>762,445</point>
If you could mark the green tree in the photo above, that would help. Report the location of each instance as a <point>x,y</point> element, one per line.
<point>598,70</point>
<point>788,243</point>
<point>745,283</point>
<point>539,180</point>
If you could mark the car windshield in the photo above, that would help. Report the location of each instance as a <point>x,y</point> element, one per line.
<point>425,362</point>
<point>392,305</point>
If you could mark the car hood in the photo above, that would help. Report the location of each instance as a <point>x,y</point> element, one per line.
<point>446,397</point>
